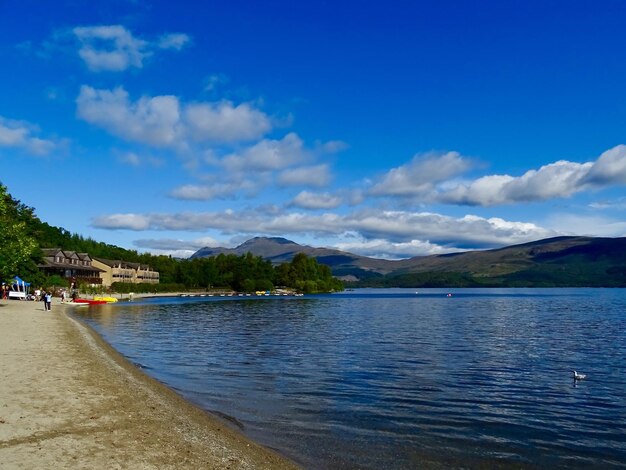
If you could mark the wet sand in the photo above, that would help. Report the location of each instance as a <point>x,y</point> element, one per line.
<point>68,400</point>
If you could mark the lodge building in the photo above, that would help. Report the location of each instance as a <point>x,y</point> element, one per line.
<point>123,271</point>
<point>82,268</point>
<point>70,265</point>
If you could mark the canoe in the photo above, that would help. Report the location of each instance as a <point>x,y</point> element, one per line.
<point>90,302</point>
<point>107,300</point>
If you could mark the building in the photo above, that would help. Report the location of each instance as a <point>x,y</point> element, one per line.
<point>75,267</point>
<point>122,271</point>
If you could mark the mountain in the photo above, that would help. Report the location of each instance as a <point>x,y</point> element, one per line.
<point>280,250</point>
<point>560,261</point>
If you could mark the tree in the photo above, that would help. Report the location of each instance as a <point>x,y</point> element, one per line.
<point>16,245</point>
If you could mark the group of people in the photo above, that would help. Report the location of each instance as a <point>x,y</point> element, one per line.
<point>45,297</point>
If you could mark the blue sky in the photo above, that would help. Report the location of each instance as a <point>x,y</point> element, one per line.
<point>389,129</point>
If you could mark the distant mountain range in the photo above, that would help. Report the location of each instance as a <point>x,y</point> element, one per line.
<point>561,261</point>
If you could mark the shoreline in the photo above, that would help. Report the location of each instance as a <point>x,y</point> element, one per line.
<point>68,399</point>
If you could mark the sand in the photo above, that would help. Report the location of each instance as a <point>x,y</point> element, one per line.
<point>68,400</point>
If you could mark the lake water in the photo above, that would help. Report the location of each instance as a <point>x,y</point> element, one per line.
<point>396,378</point>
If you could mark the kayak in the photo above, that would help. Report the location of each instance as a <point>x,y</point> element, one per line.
<point>108,300</point>
<point>89,302</point>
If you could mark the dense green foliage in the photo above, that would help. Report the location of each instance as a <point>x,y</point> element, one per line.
<point>23,235</point>
<point>17,247</point>
<point>245,273</point>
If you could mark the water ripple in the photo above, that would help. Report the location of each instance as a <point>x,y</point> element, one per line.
<point>390,379</point>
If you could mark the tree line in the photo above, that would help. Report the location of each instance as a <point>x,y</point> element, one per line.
<point>22,235</point>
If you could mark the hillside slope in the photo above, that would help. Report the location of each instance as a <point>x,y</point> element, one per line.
<point>560,261</point>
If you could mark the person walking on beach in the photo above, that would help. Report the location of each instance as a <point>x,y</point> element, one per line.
<point>48,301</point>
<point>43,299</point>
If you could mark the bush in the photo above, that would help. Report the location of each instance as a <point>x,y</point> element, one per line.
<point>56,281</point>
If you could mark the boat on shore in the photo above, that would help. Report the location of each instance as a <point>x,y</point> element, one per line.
<point>108,300</point>
<point>90,301</point>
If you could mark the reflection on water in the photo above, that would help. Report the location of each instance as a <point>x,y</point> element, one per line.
<point>395,379</point>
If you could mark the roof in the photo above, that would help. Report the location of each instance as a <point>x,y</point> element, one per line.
<point>52,264</point>
<point>124,264</point>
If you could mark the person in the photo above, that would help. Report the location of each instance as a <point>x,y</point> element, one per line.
<point>37,295</point>
<point>48,301</point>
<point>43,299</point>
<point>62,295</point>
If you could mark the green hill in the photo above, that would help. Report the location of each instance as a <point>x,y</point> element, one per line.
<point>554,262</point>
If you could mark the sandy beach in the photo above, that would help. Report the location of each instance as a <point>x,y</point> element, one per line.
<point>68,400</point>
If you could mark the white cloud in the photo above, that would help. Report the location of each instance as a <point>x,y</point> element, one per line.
<point>225,122</point>
<point>379,248</point>
<point>268,155</point>
<point>133,159</point>
<point>163,121</point>
<point>114,48</point>
<point>212,81</point>
<point>154,121</point>
<point>248,171</point>
<point>434,178</point>
<point>421,175</point>
<point>206,192</point>
<point>394,226</point>
<point>175,247</point>
<point>332,146</point>
<point>609,168</point>
<point>19,134</point>
<point>616,204</point>
<point>587,225</point>
<point>561,179</point>
<point>174,41</point>
<point>309,200</point>
<point>111,48</point>
<point>126,221</point>
<point>308,176</point>
<point>556,180</point>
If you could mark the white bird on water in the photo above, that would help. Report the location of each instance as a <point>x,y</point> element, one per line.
<point>578,376</point>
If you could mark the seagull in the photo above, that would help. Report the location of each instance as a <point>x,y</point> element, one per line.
<point>578,376</point>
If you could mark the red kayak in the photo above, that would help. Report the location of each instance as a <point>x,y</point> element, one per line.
<point>90,302</point>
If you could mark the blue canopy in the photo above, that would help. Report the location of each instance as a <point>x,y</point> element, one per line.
<point>20,282</point>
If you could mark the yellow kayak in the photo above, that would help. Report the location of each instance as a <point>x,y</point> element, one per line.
<point>106,299</point>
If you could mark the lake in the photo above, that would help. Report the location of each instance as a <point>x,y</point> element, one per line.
<point>397,378</point>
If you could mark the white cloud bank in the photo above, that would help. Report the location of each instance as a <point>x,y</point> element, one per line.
<point>20,135</point>
<point>285,161</point>
<point>175,247</point>
<point>421,175</point>
<point>309,200</point>
<point>394,226</point>
<point>306,176</point>
<point>163,121</point>
<point>113,48</point>
<point>205,192</point>
<point>431,178</point>
<point>379,248</point>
